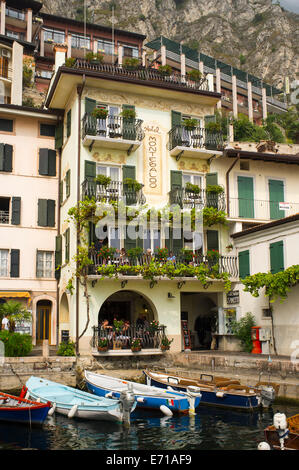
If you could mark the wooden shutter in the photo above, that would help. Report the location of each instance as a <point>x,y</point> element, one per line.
<point>211,179</point>
<point>2,158</point>
<point>90,170</point>
<point>58,256</point>
<point>8,157</point>
<point>246,197</point>
<point>68,183</point>
<point>61,192</point>
<point>176,179</point>
<point>276,257</point>
<point>16,210</point>
<point>210,118</point>
<point>129,171</point>
<point>43,162</point>
<point>244,264</point>
<point>128,242</point>
<point>68,123</point>
<point>42,219</point>
<point>212,240</point>
<point>129,130</point>
<point>176,118</point>
<point>50,213</point>
<point>51,162</point>
<point>15,263</point>
<point>59,136</point>
<point>90,104</point>
<point>67,245</point>
<point>276,195</point>
<point>177,243</point>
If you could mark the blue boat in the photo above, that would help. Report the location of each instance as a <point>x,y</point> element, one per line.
<point>147,397</point>
<point>20,410</point>
<point>218,391</point>
<point>75,403</point>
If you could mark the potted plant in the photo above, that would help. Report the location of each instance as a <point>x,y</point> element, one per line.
<point>161,254</point>
<point>192,188</point>
<point>154,326</point>
<point>118,325</point>
<point>103,180</point>
<point>194,75</point>
<point>132,184</point>
<point>136,345</point>
<point>165,70</point>
<point>135,252</point>
<point>128,113</point>
<point>131,63</point>
<point>187,255</point>
<point>103,344</point>
<point>214,188</point>
<point>100,113</point>
<point>190,124</point>
<point>106,252</point>
<point>70,62</point>
<point>165,343</point>
<point>213,256</point>
<point>92,58</point>
<point>213,127</point>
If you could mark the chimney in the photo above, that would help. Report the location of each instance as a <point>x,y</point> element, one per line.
<point>60,55</point>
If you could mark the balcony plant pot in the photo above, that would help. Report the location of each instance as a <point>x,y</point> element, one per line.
<point>102,348</point>
<point>164,348</point>
<point>135,349</point>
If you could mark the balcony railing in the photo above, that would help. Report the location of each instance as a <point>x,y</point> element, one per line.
<point>260,210</point>
<point>114,191</point>
<point>4,217</point>
<point>196,138</point>
<point>225,264</point>
<point>144,74</point>
<point>121,339</point>
<point>13,13</point>
<point>5,71</point>
<point>188,199</point>
<point>113,127</point>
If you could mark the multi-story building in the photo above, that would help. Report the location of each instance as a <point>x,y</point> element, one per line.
<point>29,214</point>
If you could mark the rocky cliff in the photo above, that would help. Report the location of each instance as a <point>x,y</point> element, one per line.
<point>253,35</point>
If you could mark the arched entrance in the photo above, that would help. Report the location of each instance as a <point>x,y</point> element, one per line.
<point>43,320</point>
<point>127,305</point>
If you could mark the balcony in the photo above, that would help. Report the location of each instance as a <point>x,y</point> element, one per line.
<point>115,132</point>
<point>126,264</point>
<point>114,191</point>
<point>14,16</point>
<point>145,76</point>
<point>188,200</point>
<point>5,70</point>
<point>119,341</point>
<point>253,209</point>
<point>195,143</point>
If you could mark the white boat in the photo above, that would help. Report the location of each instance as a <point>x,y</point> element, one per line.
<point>75,403</point>
<point>167,401</point>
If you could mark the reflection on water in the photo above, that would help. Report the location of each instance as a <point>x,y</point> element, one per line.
<point>210,429</point>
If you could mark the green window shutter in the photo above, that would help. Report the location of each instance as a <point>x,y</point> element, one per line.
<point>91,233</point>
<point>58,256</point>
<point>246,197</point>
<point>176,179</point>
<point>276,257</point>
<point>16,210</point>
<point>68,123</point>
<point>276,195</point>
<point>212,240</point>
<point>2,157</point>
<point>15,263</point>
<point>176,118</point>
<point>244,264</point>
<point>129,171</point>
<point>177,243</point>
<point>211,118</point>
<point>128,242</point>
<point>8,158</point>
<point>43,162</point>
<point>59,136</point>
<point>50,213</point>
<point>90,104</point>
<point>67,245</point>
<point>90,170</point>
<point>6,125</point>
<point>42,213</point>
<point>68,183</point>
<point>61,192</point>
<point>211,179</point>
<point>51,162</point>
<point>129,131</point>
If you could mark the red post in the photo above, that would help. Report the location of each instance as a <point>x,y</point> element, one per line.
<point>255,336</point>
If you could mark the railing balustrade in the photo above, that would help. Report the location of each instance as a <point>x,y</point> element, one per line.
<point>240,208</point>
<point>114,191</point>
<point>150,338</point>
<point>189,199</point>
<point>4,217</point>
<point>196,138</point>
<point>113,127</point>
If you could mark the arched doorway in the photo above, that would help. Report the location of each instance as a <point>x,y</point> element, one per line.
<point>43,320</point>
<point>127,305</point>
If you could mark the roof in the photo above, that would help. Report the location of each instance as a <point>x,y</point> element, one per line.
<point>9,42</point>
<point>261,156</point>
<point>22,4</point>
<point>15,107</point>
<point>261,227</point>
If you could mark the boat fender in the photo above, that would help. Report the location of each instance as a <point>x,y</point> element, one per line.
<point>165,410</point>
<point>27,395</point>
<point>72,411</point>
<point>263,446</point>
<point>170,389</point>
<point>51,410</point>
<point>141,400</point>
<point>38,400</point>
<point>220,394</point>
<point>109,395</point>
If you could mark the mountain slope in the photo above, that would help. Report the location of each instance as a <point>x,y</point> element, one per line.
<point>254,35</point>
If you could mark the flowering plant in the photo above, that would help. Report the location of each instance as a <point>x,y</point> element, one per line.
<point>103,343</point>
<point>136,343</point>
<point>165,342</point>
<point>154,325</point>
<point>213,254</point>
<point>161,253</point>
<point>107,251</point>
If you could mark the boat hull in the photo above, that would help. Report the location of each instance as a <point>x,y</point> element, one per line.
<point>18,410</point>
<point>209,397</point>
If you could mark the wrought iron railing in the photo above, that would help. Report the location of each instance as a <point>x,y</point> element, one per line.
<point>113,127</point>
<point>122,338</point>
<point>4,217</point>
<point>189,199</point>
<point>240,208</point>
<point>114,191</point>
<point>144,74</point>
<point>221,264</point>
<point>195,138</point>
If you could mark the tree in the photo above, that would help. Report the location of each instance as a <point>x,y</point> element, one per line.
<point>16,311</point>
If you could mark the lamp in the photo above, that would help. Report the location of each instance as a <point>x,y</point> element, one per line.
<point>170,296</point>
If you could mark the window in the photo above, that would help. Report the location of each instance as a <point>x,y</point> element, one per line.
<point>192,178</point>
<point>192,241</point>
<point>47,130</point>
<point>244,264</point>
<point>4,263</point>
<point>4,210</point>
<point>79,42</point>
<point>112,171</point>
<point>68,183</point>
<point>114,234</point>
<point>68,123</point>
<point>244,165</point>
<point>13,13</point>
<point>44,264</point>
<point>6,125</point>
<point>130,51</point>
<point>151,239</point>
<point>276,257</point>
<point>47,162</point>
<point>46,74</point>
<point>106,47</point>
<point>54,35</point>
<point>15,35</point>
<point>46,213</point>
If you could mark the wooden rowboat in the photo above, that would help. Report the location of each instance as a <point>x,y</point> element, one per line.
<point>21,410</point>
<point>286,439</point>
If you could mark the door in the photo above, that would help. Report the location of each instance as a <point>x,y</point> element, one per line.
<point>276,195</point>
<point>245,195</point>
<point>43,323</point>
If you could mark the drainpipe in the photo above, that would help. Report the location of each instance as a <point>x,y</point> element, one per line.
<point>79,92</point>
<point>58,233</point>
<point>227,182</point>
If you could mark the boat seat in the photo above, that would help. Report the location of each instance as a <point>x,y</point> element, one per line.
<point>187,382</point>
<point>225,383</point>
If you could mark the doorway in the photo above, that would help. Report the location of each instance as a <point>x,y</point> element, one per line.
<point>43,320</point>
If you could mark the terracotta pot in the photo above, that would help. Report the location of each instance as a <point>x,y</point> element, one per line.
<point>102,349</point>
<point>135,349</point>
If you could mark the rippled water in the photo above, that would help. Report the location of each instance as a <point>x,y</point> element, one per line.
<point>210,429</point>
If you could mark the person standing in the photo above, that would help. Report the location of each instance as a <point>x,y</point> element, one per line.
<point>5,323</point>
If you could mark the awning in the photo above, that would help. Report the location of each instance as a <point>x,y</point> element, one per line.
<point>15,294</point>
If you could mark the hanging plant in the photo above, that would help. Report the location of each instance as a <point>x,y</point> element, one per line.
<point>214,188</point>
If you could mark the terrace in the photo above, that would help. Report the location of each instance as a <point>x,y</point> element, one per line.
<point>114,191</point>
<point>187,199</point>
<point>196,142</point>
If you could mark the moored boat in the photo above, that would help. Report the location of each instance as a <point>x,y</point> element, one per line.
<point>75,403</point>
<point>147,397</point>
<point>283,434</point>
<point>216,391</point>
<point>21,410</point>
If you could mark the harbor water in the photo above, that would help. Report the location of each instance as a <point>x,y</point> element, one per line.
<point>210,429</point>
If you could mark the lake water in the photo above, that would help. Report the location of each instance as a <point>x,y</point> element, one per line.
<point>210,429</point>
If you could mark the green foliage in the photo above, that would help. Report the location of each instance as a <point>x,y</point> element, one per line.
<point>135,252</point>
<point>213,216</point>
<point>91,57</point>
<point>131,63</point>
<point>27,76</point>
<point>190,123</point>
<point>287,122</point>
<point>258,18</point>
<point>15,310</point>
<point>247,131</point>
<point>214,188</point>
<point>192,188</point>
<point>165,69</point>
<point>103,180</point>
<point>276,285</point>
<point>194,75</point>
<point>242,59</point>
<point>128,113</point>
<point>16,344</point>
<point>70,61</point>
<point>132,184</point>
<point>66,349</point>
<point>242,330</point>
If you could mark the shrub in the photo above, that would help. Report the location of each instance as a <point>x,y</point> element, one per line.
<point>16,344</point>
<point>242,330</point>
<point>66,349</point>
